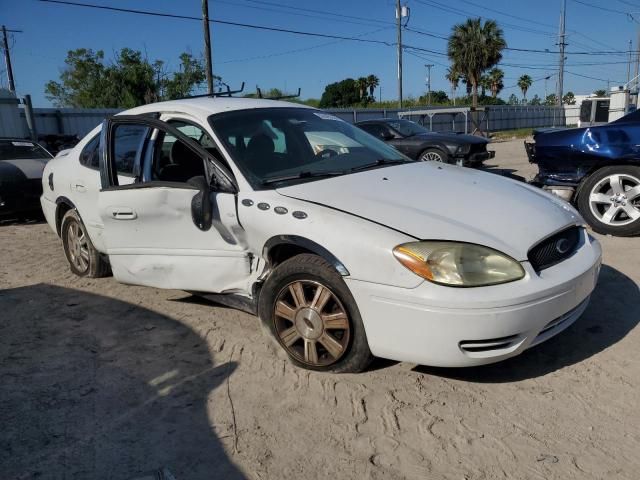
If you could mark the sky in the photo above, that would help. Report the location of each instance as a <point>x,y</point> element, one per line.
<point>289,61</point>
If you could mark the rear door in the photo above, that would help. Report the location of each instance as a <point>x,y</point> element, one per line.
<point>150,231</point>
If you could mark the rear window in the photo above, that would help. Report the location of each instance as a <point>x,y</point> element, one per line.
<point>21,149</point>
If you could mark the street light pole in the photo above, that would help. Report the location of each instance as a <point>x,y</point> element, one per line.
<point>561,44</point>
<point>399,41</point>
<point>7,59</point>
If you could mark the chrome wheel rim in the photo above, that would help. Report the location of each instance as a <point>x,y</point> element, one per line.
<point>615,200</point>
<point>311,323</point>
<point>78,247</point>
<point>432,157</point>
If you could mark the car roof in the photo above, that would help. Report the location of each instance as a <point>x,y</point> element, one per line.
<point>205,106</point>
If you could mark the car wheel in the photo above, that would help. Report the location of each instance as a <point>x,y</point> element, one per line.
<point>309,310</point>
<point>84,260</point>
<point>433,155</point>
<point>609,200</point>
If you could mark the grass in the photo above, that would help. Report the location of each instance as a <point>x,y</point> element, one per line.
<point>511,134</point>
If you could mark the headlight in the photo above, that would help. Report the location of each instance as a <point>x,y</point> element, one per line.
<point>458,264</point>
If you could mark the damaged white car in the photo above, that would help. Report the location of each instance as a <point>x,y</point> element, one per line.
<point>343,247</point>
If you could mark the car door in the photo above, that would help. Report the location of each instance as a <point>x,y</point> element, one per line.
<point>153,233</point>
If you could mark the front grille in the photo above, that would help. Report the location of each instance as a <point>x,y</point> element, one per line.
<point>555,249</point>
<point>478,148</point>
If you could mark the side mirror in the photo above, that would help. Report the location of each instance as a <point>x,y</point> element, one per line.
<point>201,207</point>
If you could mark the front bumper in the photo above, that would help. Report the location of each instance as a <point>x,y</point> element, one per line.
<point>454,327</point>
<point>474,159</point>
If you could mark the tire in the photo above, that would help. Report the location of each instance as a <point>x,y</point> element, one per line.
<point>84,260</point>
<point>609,200</point>
<point>288,308</point>
<point>433,155</point>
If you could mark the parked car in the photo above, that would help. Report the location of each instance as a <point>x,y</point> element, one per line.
<point>342,254</point>
<point>418,143</point>
<point>21,165</point>
<point>597,169</point>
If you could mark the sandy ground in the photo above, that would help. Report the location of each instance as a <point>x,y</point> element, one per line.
<point>102,380</point>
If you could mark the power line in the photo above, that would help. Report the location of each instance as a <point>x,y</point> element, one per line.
<point>588,4</point>
<point>223,22</point>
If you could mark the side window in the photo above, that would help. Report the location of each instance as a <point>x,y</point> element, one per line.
<point>129,142</point>
<point>89,156</point>
<point>173,161</point>
<point>373,129</point>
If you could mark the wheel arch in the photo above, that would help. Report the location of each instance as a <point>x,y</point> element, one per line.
<point>282,247</point>
<point>63,205</point>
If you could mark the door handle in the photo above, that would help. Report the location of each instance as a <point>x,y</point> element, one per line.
<point>123,213</point>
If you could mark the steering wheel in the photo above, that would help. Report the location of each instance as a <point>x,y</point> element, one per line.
<point>326,153</point>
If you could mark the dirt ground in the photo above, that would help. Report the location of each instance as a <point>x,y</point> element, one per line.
<point>105,381</point>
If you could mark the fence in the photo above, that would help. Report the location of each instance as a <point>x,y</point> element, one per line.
<point>78,121</point>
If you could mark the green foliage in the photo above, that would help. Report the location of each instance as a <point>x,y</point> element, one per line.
<point>569,99</point>
<point>128,81</point>
<point>524,82</point>
<point>513,99</point>
<point>535,101</point>
<point>551,100</point>
<point>495,80</point>
<point>438,97</point>
<point>600,93</point>
<point>474,48</point>
<point>349,92</point>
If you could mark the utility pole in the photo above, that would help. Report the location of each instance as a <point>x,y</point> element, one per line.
<point>207,45</point>
<point>7,59</point>
<point>635,73</point>
<point>561,44</point>
<point>428,65</point>
<point>399,28</point>
<point>629,64</point>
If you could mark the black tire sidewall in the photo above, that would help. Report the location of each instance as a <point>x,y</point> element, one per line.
<point>582,202</point>
<point>314,268</point>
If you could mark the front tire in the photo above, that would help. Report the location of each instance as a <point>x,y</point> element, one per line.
<point>609,200</point>
<point>309,310</point>
<point>433,155</point>
<point>84,260</point>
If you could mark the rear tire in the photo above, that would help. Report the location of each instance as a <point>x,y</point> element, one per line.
<point>309,310</point>
<point>84,260</point>
<point>609,200</point>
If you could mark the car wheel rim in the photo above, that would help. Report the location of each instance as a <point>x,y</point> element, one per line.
<point>615,200</point>
<point>311,323</point>
<point>432,157</point>
<point>78,247</point>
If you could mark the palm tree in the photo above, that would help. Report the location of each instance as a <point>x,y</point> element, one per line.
<point>496,77</point>
<point>372,84</point>
<point>524,82</point>
<point>361,85</point>
<point>475,47</point>
<point>454,79</point>
<point>485,84</point>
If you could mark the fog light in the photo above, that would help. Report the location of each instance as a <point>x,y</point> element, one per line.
<point>565,193</point>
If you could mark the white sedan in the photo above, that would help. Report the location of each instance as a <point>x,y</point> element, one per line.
<point>343,247</point>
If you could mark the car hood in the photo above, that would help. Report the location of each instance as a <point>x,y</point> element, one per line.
<point>445,202</point>
<point>451,138</point>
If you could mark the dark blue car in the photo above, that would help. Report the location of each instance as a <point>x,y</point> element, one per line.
<point>595,168</point>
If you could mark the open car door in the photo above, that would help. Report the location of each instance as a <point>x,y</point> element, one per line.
<point>175,225</point>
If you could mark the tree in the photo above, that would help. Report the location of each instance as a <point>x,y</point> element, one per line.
<point>345,93</point>
<point>485,84</point>
<point>372,83</point>
<point>496,84</point>
<point>438,97</point>
<point>513,100</point>
<point>536,100</point>
<point>453,76</point>
<point>524,82</point>
<point>361,85</point>
<point>551,100</point>
<point>569,99</point>
<point>473,48</point>
<point>129,80</point>
<point>600,92</point>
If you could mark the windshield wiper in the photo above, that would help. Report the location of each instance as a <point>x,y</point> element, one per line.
<point>378,163</point>
<point>301,175</point>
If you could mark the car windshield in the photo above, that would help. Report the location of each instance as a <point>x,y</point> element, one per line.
<point>21,149</point>
<point>275,145</point>
<point>407,128</point>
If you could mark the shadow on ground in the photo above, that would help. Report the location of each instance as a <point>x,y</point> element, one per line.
<point>91,387</point>
<point>613,312</point>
